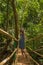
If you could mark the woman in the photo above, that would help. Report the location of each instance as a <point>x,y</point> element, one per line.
<point>22,41</point>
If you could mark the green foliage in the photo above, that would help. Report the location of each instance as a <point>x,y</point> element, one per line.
<point>30,16</point>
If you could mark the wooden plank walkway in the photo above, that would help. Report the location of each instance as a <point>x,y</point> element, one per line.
<point>22,60</point>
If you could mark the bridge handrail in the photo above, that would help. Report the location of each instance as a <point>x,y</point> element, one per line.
<point>38,49</point>
<point>8,58</point>
<point>34,60</point>
<point>7,34</point>
<point>35,38</point>
<point>35,52</point>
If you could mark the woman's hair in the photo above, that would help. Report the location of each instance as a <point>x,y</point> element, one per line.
<point>22,30</point>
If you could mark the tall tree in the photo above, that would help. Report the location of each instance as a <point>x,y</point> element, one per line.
<point>16,18</point>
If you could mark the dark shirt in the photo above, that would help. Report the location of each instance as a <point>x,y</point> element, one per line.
<point>22,41</point>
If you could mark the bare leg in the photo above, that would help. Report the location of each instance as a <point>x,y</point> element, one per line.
<point>23,53</point>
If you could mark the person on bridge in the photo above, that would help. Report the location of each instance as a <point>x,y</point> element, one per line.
<point>22,41</point>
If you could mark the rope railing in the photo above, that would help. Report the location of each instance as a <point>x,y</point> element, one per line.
<point>8,58</point>
<point>35,52</point>
<point>7,34</point>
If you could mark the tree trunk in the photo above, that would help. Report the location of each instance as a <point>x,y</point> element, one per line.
<point>16,18</point>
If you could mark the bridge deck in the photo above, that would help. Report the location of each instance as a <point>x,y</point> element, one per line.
<point>22,59</point>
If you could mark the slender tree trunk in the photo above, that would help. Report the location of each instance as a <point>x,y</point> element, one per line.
<point>16,18</point>
<point>7,16</point>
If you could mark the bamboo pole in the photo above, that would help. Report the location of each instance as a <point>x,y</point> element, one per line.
<point>35,52</point>
<point>34,61</point>
<point>8,58</point>
<point>39,49</point>
<point>7,34</point>
<point>37,37</point>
